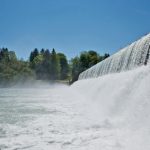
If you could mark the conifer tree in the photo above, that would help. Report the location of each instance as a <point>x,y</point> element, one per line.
<point>64,67</point>
<point>55,66</point>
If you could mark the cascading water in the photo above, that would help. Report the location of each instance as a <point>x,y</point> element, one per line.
<point>120,95</point>
<point>110,112</point>
<point>122,102</point>
<point>132,56</point>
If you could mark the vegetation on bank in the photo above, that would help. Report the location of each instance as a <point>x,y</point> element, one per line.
<point>45,65</point>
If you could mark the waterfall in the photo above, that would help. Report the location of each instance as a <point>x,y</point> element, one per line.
<point>122,102</point>
<point>132,56</point>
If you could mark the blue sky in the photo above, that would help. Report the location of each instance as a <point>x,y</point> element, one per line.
<point>72,26</point>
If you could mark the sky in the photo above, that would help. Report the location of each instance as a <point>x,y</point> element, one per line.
<point>72,26</point>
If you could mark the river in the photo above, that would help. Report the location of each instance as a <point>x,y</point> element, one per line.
<point>93,114</point>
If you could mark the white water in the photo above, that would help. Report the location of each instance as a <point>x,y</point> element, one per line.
<point>111,112</point>
<point>130,57</point>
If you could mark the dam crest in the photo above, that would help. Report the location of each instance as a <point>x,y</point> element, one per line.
<point>130,57</point>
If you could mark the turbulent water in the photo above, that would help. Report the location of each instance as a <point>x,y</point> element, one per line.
<point>130,57</point>
<point>111,112</point>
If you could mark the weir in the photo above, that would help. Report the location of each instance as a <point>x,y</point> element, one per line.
<point>130,57</point>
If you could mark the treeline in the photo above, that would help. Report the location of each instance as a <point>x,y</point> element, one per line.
<point>13,70</point>
<point>86,60</point>
<point>49,65</point>
<point>45,65</point>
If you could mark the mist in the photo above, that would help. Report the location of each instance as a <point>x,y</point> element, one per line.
<point>109,112</point>
<point>121,102</point>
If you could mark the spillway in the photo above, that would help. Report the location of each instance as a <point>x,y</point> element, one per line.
<point>132,56</point>
<point>110,112</point>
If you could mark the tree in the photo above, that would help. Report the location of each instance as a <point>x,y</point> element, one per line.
<point>42,51</point>
<point>86,60</point>
<point>93,58</point>
<point>13,70</point>
<point>75,66</point>
<point>106,55</point>
<point>33,54</point>
<point>12,56</point>
<point>4,55</point>
<point>55,66</point>
<point>46,65</point>
<point>41,64</point>
<point>38,68</point>
<point>64,67</point>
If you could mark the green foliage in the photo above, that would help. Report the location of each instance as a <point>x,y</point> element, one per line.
<point>86,60</point>
<point>45,65</point>
<point>11,69</point>
<point>93,58</point>
<point>75,67</point>
<point>33,54</point>
<point>64,66</point>
<point>55,66</point>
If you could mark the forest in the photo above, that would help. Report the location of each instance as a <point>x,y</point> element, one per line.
<point>45,64</point>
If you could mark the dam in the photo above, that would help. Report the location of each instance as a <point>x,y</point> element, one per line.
<point>106,111</point>
<point>130,57</point>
